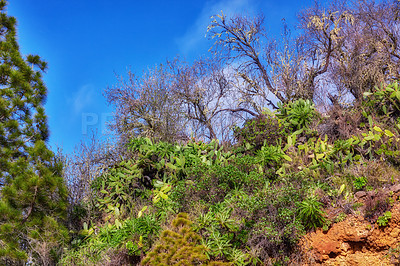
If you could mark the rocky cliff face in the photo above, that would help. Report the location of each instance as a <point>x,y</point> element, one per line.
<point>357,240</point>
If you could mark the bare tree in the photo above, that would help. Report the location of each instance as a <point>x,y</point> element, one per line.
<point>145,106</point>
<point>239,40</point>
<point>175,100</point>
<point>206,94</point>
<point>343,49</point>
<point>87,162</point>
<point>347,47</point>
<point>358,42</point>
<point>287,69</point>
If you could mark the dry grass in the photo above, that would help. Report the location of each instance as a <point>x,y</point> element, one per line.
<point>378,173</point>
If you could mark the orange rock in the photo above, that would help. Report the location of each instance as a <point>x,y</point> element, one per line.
<point>395,232</point>
<point>354,242</point>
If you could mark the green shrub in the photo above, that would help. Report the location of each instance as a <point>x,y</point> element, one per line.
<point>266,128</point>
<point>179,246</point>
<point>211,184</point>
<point>360,182</point>
<point>117,189</point>
<point>310,213</point>
<point>384,219</point>
<point>270,226</point>
<point>137,235</point>
<point>297,114</point>
<point>270,156</point>
<point>223,234</point>
<point>384,101</point>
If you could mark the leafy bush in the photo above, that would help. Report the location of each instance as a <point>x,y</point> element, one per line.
<point>136,235</point>
<point>360,182</point>
<point>220,232</point>
<point>310,213</point>
<point>384,101</point>
<point>117,189</point>
<point>271,227</point>
<point>211,184</point>
<point>266,128</point>
<point>384,219</point>
<point>271,156</point>
<point>297,114</point>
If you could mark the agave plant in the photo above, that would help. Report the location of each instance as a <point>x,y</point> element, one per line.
<point>298,114</point>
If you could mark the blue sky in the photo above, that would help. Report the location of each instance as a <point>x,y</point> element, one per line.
<point>86,42</point>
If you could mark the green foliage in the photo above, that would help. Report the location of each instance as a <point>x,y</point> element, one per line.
<point>383,104</point>
<point>251,203</point>
<point>381,143</point>
<point>200,153</point>
<point>219,245</point>
<point>137,235</point>
<point>311,213</point>
<point>266,128</point>
<point>33,195</point>
<point>297,114</point>
<point>360,182</point>
<point>384,219</point>
<point>340,217</point>
<point>211,184</point>
<point>222,235</point>
<point>238,257</point>
<point>161,191</point>
<point>179,246</point>
<point>156,165</point>
<point>163,160</point>
<point>344,151</point>
<point>270,222</point>
<point>384,101</point>
<point>271,156</point>
<point>117,189</point>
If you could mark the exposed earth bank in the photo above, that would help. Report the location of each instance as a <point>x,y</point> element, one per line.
<point>358,240</point>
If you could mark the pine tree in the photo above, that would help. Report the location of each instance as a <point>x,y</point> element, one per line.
<point>33,195</point>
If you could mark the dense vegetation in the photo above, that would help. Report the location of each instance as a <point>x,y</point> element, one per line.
<point>249,203</point>
<point>203,173</point>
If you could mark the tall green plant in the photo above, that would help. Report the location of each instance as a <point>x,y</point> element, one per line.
<point>311,213</point>
<point>33,196</point>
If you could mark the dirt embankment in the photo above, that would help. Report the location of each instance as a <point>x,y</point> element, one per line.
<point>356,241</point>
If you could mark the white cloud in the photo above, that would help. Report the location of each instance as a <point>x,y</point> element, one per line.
<point>195,36</point>
<point>83,97</point>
